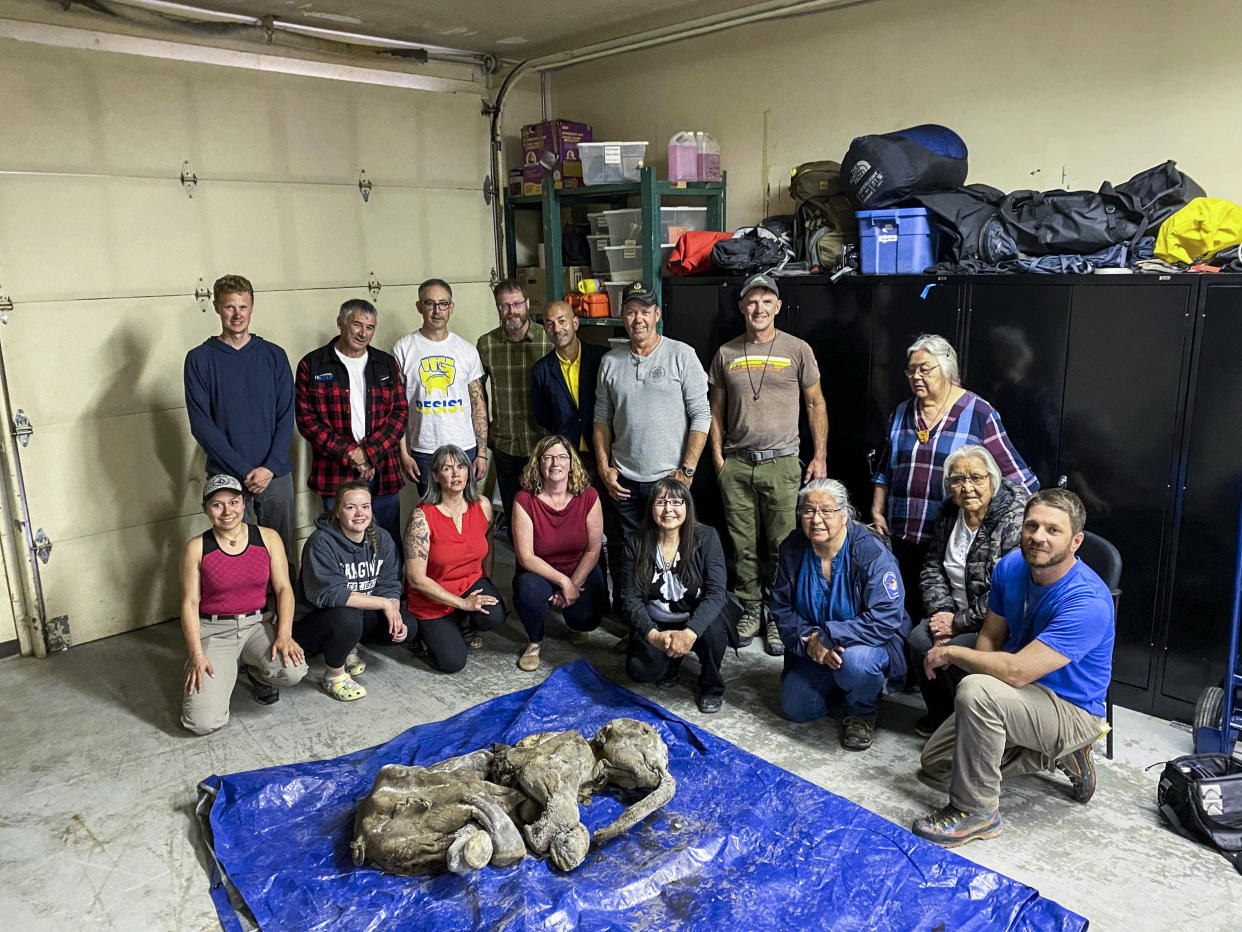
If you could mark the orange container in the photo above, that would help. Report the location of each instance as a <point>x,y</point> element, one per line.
<point>590,305</point>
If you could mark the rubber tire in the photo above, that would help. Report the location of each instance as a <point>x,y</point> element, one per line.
<point>1209,708</point>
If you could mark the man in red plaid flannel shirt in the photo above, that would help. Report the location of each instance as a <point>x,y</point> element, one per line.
<point>351,408</point>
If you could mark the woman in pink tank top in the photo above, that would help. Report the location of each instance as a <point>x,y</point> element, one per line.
<point>448,562</point>
<point>558,525</point>
<point>225,576</point>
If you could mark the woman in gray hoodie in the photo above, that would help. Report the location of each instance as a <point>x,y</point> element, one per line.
<point>349,590</point>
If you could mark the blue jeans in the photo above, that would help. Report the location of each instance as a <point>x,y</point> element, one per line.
<point>807,685</point>
<point>630,510</point>
<point>385,510</point>
<point>424,467</point>
<point>531,593</point>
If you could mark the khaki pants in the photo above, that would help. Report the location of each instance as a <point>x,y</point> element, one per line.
<point>998,731</point>
<point>758,494</point>
<point>226,641</point>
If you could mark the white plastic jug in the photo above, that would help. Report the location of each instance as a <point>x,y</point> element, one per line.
<point>707,156</point>
<point>683,157</point>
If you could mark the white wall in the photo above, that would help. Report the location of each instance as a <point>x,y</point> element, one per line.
<point>1046,93</point>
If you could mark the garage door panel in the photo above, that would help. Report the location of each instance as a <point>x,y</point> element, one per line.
<point>446,234</point>
<point>124,579</point>
<point>420,148</point>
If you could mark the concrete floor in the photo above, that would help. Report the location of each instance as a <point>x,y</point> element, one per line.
<point>99,781</point>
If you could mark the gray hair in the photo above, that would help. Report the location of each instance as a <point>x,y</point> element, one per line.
<point>965,452</point>
<point>355,304</point>
<point>831,487</point>
<point>942,349</point>
<point>434,494</point>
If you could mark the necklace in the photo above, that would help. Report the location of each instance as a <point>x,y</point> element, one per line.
<point>232,541</point>
<point>924,432</point>
<point>762,375</point>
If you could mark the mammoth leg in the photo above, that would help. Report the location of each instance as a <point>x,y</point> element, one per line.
<point>470,850</point>
<point>507,844</point>
<point>639,811</point>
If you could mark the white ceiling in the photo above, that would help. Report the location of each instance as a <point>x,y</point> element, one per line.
<point>514,29</point>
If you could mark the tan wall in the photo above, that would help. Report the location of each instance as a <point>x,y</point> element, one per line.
<point>1046,94</point>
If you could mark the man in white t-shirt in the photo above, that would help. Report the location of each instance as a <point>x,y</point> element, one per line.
<point>350,407</point>
<point>443,386</point>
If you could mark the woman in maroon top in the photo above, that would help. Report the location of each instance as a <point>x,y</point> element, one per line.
<point>448,561</point>
<point>557,525</point>
<point>225,575</point>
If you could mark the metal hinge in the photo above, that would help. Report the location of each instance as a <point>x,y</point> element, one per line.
<point>6,307</point>
<point>374,287</point>
<point>189,180</point>
<point>364,185</point>
<point>43,546</point>
<point>489,190</point>
<point>22,429</point>
<point>202,294</point>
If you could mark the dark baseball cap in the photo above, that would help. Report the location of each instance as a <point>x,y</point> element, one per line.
<point>639,291</point>
<point>219,484</point>
<point>759,280</point>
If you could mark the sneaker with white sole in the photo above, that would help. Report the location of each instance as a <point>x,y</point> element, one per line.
<point>1081,772</point>
<point>949,826</point>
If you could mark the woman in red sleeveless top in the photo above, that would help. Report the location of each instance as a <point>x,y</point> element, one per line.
<point>448,561</point>
<point>225,575</point>
<point>558,524</point>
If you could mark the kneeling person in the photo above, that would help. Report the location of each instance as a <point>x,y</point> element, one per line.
<point>1039,676</point>
<point>840,609</point>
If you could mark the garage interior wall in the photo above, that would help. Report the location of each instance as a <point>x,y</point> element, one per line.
<point>101,251</point>
<point>1050,94</point>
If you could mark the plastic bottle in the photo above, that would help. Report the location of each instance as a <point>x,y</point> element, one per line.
<point>683,157</point>
<point>707,156</point>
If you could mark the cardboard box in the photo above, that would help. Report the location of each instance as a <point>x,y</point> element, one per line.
<point>575,274</point>
<point>561,138</point>
<point>515,182</point>
<point>533,279</point>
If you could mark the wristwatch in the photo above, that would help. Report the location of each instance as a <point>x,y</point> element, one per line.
<point>688,471</point>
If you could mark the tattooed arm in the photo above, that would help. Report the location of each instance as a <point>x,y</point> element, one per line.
<point>417,550</point>
<point>478,414</point>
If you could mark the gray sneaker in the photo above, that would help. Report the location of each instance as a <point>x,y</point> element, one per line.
<point>772,643</point>
<point>950,826</point>
<point>751,621</point>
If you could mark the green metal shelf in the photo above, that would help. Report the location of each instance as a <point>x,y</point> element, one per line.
<point>650,193</point>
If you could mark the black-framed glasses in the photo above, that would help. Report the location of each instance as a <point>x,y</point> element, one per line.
<point>430,305</point>
<point>956,482</point>
<point>669,503</point>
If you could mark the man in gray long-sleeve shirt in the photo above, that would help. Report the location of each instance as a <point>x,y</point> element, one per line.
<point>651,411</point>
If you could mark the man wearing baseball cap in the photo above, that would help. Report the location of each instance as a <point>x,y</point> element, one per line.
<point>651,412</point>
<point>756,381</point>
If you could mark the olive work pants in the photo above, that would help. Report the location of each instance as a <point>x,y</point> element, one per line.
<point>758,495</point>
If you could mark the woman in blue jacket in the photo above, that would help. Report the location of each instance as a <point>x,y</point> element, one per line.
<point>838,603</point>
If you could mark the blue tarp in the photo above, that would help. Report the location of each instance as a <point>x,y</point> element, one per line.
<point>743,845</point>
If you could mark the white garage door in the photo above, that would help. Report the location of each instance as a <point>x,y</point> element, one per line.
<point>101,250</point>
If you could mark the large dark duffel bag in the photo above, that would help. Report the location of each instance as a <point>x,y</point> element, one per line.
<point>881,170</point>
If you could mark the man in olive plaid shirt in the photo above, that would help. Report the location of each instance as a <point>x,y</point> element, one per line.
<point>352,410</point>
<point>508,353</point>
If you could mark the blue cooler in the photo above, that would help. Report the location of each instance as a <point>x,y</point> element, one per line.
<point>896,240</point>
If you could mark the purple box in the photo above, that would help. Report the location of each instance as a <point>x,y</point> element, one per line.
<point>560,137</point>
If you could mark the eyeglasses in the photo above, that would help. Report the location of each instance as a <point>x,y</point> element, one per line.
<point>512,306</point>
<point>956,482</point>
<point>810,514</point>
<point>669,503</point>
<point>555,458</point>
<point>435,305</point>
<point>924,370</point>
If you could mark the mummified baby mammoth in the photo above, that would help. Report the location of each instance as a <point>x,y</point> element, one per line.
<point>464,812</point>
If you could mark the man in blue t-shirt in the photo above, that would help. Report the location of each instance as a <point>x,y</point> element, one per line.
<point>1039,676</point>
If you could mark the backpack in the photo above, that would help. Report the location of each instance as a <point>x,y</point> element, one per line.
<point>765,248</point>
<point>1201,797</point>
<point>824,221</point>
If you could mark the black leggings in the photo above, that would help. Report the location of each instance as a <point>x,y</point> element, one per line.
<point>446,648</point>
<point>335,631</point>
<point>645,664</point>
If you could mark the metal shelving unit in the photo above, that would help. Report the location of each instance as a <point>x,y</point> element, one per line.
<point>650,194</point>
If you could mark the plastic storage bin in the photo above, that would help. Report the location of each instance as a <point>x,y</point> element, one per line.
<point>625,226</point>
<point>897,240</point>
<point>599,223</point>
<point>611,162</point>
<point>615,290</point>
<point>625,263</point>
<point>599,258</point>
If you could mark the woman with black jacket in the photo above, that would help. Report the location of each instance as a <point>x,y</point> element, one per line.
<point>674,596</point>
<point>979,522</point>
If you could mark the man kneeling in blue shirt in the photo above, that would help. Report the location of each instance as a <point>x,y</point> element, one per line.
<point>1039,676</point>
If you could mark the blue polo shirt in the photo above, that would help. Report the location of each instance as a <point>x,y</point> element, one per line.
<point>1073,616</point>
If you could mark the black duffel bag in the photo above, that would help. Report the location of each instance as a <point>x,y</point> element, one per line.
<point>1050,223</point>
<point>1201,797</point>
<point>1159,192</point>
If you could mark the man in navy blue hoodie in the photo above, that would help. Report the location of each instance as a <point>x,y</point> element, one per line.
<point>239,396</point>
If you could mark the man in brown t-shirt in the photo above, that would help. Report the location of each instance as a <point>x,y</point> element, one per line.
<point>755,381</point>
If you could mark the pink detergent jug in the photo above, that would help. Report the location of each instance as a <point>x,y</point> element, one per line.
<point>683,157</point>
<point>707,155</point>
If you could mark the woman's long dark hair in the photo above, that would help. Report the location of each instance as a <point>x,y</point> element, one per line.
<point>647,538</point>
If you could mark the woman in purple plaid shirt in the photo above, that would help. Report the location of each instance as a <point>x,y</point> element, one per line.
<point>922,432</point>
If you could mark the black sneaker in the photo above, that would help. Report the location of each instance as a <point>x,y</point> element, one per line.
<point>710,704</point>
<point>1081,772</point>
<point>264,693</point>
